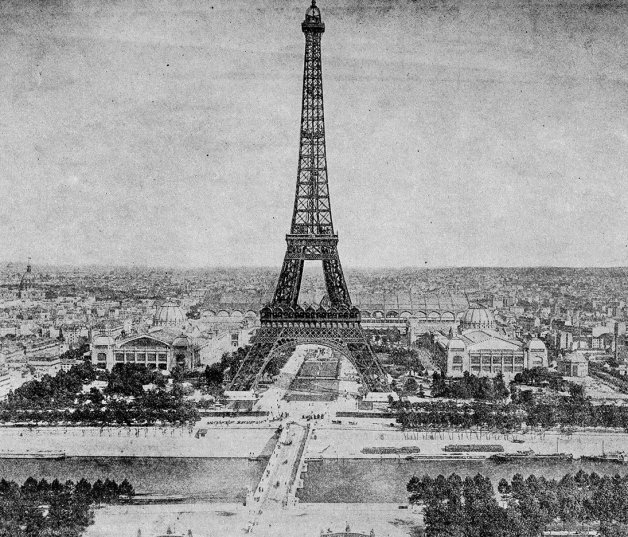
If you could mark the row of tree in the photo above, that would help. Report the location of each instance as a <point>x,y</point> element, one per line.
<point>574,410</point>
<point>153,407</point>
<point>469,508</point>
<point>55,509</point>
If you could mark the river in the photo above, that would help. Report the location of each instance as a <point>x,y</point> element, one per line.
<point>225,480</point>
<point>384,480</point>
<point>208,480</point>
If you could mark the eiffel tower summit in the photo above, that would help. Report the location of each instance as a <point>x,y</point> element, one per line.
<point>284,322</point>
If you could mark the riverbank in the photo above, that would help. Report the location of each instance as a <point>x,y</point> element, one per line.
<point>226,520</point>
<point>203,440</point>
<point>255,438</point>
<point>347,441</point>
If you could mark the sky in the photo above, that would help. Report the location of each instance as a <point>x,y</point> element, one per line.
<point>459,133</point>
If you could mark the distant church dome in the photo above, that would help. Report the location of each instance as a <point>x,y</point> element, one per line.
<point>476,318</point>
<point>26,283</point>
<point>168,314</point>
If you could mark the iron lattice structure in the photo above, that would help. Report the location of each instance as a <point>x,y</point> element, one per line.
<point>284,322</point>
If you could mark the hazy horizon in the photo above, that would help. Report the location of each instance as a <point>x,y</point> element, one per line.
<point>277,267</point>
<point>459,134</point>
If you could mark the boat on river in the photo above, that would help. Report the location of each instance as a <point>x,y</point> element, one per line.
<point>529,455</point>
<point>447,457</point>
<point>156,498</point>
<point>618,457</point>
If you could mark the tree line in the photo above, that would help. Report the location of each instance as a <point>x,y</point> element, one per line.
<point>54,509</point>
<point>61,399</point>
<point>563,411</point>
<point>469,508</point>
<point>524,407</point>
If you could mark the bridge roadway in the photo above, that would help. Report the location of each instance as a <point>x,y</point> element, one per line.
<point>281,478</point>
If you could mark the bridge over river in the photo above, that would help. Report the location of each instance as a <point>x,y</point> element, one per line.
<point>282,476</point>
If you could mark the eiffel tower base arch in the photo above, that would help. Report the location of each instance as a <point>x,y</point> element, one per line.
<point>349,341</point>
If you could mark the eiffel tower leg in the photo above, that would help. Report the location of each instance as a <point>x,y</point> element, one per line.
<point>289,284</point>
<point>251,365</point>
<point>277,345</point>
<point>366,363</point>
<point>335,281</point>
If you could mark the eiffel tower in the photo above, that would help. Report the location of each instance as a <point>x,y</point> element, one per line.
<point>284,323</point>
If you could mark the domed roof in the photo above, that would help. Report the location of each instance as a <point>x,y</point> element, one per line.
<point>477,317</point>
<point>26,282</point>
<point>181,341</point>
<point>454,342</point>
<point>168,314</point>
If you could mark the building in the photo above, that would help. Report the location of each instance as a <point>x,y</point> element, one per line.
<point>536,353</point>
<point>45,365</point>
<point>68,363</point>
<point>573,364</point>
<point>5,379</point>
<point>565,340</point>
<point>212,346</point>
<point>478,348</point>
<point>43,346</point>
<point>72,334</point>
<point>157,349</point>
<point>390,315</point>
<point>172,341</point>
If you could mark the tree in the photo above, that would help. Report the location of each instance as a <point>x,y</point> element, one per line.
<point>504,487</point>
<point>214,374</point>
<point>411,385</point>
<point>126,488</point>
<point>577,393</point>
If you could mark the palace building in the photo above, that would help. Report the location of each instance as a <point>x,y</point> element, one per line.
<point>475,346</point>
<point>172,341</point>
<point>162,347</point>
<point>157,349</point>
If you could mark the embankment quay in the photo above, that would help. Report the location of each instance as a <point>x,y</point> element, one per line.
<point>220,440</point>
<point>249,438</point>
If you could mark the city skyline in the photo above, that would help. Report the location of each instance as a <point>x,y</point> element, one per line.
<point>457,135</point>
